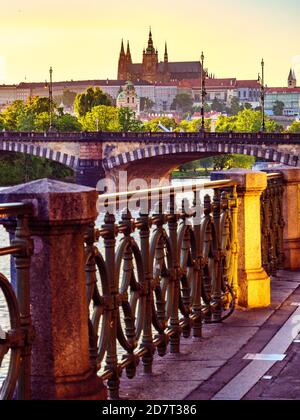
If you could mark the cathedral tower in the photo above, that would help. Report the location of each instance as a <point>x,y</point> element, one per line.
<point>150,61</point>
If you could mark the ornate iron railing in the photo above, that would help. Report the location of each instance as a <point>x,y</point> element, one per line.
<point>272,224</point>
<point>144,294</point>
<point>16,343</point>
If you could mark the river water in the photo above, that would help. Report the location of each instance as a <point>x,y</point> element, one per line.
<point>5,265</point>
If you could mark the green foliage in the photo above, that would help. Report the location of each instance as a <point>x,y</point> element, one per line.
<point>11,115</point>
<point>194,125</point>
<point>146,104</point>
<point>127,120</point>
<point>93,97</point>
<point>18,168</point>
<point>247,105</point>
<point>101,118</point>
<point>278,108</point>
<point>183,102</point>
<point>235,106</point>
<point>165,121</point>
<point>68,98</point>
<point>247,121</point>
<point>295,127</point>
<point>218,106</point>
<point>233,161</point>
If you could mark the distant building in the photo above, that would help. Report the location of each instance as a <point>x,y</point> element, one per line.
<point>151,69</point>
<point>128,98</point>
<point>161,95</point>
<point>223,90</point>
<point>249,92</point>
<point>289,96</point>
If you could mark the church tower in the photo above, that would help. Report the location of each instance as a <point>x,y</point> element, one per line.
<point>150,61</point>
<point>122,67</point>
<point>292,80</point>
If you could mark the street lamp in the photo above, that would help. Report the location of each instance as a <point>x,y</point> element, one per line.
<point>50,99</point>
<point>203,93</point>
<point>262,95</point>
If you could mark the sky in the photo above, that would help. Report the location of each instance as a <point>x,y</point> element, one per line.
<point>81,39</point>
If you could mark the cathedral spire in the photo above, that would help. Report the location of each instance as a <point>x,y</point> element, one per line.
<point>122,49</point>
<point>150,49</point>
<point>128,53</point>
<point>166,58</point>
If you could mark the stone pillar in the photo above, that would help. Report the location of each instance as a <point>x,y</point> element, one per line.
<point>60,360</point>
<point>291,214</point>
<point>254,283</point>
<point>89,172</point>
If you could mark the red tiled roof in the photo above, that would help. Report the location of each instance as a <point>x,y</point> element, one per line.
<point>283,90</point>
<point>228,83</point>
<point>248,84</point>
<point>105,82</point>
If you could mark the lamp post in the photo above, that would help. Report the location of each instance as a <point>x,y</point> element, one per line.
<point>262,95</point>
<point>203,93</point>
<point>50,99</point>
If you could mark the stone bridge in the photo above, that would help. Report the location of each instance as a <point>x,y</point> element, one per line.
<point>98,155</point>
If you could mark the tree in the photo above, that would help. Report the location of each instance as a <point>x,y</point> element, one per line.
<point>217,105</point>
<point>247,121</point>
<point>235,106</point>
<point>295,127</point>
<point>153,125</point>
<point>222,162</point>
<point>67,123</point>
<point>146,104</point>
<point>127,120</point>
<point>101,118</point>
<point>194,125</point>
<point>68,98</point>
<point>247,105</point>
<point>183,102</point>
<point>93,97</point>
<point>278,108</point>
<point>11,114</point>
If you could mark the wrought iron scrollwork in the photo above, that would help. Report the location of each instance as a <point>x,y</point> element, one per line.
<point>272,225</point>
<point>182,272</point>
<point>16,341</point>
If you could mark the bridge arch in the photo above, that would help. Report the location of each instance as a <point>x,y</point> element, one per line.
<point>42,152</point>
<point>271,154</point>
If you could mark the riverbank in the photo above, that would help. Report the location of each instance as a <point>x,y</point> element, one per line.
<point>196,174</point>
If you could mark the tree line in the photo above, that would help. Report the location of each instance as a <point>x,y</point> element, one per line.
<point>95,111</point>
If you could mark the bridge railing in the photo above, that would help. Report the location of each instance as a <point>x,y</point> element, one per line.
<point>16,338</point>
<point>102,136</point>
<point>145,294</point>
<point>272,224</point>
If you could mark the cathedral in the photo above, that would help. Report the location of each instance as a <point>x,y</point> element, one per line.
<point>153,71</point>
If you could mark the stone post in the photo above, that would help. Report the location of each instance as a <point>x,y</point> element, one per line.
<point>291,215</point>
<point>61,366</point>
<point>254,283</point>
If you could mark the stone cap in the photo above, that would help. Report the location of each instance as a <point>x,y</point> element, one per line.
<point>55,202</point>
<point>247,179</point>
<point>290,174</point>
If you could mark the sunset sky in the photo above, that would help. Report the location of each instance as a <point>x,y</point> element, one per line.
<point>81,38</point>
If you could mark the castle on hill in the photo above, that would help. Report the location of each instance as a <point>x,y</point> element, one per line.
<point>153,70</point>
